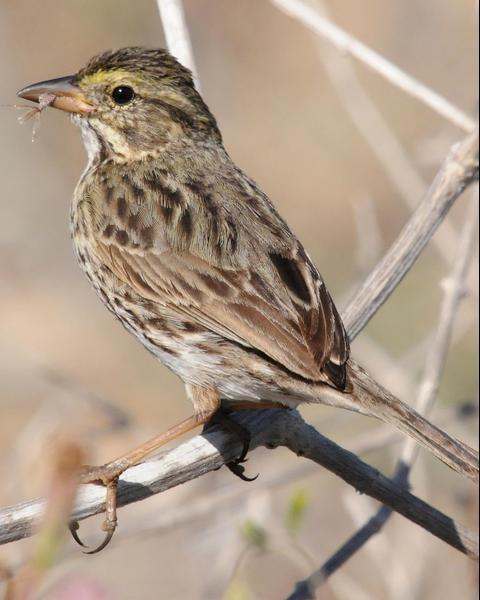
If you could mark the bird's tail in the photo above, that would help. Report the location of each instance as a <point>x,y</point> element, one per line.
<point>371,398</point>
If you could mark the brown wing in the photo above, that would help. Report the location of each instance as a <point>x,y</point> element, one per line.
<point>264,295</point>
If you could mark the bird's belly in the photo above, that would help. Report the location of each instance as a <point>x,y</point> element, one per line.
<point>198,356</point>
<point>201,357</point>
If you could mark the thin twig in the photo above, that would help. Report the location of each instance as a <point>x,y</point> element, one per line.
<point>379,136</point>
<point>176,34</point>
<point>459,169</point>
<point>271,428</point>
<point>434,366</point>
<point>221,498</point>
<point>203,505</point>
<point>350,45</point>
<point>454,293</point>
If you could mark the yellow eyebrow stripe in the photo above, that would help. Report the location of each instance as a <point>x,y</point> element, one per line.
<point>112,77</point>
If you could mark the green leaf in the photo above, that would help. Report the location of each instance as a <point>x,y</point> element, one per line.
<point>254,534</point>
<point>238,590</point>
<point>296,511</point>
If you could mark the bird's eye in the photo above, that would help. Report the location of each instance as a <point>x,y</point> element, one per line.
<point>123,94</point>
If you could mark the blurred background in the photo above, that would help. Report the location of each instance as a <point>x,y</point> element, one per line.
<point>295,116</point>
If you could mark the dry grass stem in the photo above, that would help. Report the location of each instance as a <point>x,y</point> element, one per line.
<point>176,34</point>
<point>67,459</point>
<point>348,44</point>
<point>379,136</point>
<point>458,171</point>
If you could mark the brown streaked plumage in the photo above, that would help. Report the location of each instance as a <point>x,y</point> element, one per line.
<point>196,258</point>
<point>193,258</point>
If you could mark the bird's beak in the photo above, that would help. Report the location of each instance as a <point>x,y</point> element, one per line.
<point>62,93</point>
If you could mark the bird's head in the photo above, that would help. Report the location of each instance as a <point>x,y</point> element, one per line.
<point>130,102</point>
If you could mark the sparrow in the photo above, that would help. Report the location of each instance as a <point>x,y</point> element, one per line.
<point>195,261</point>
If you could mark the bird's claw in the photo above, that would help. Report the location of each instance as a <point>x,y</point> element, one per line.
<point>110,523</point>
<point>74,526</point>
<point>105,542</point>
<point>238,469</point>
<point>222,418</point>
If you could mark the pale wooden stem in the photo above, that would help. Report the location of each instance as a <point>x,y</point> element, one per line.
<point>176,34</point>
<point>211,450</point>
<point>348,44</point>
<point>434,365</point>
<point>384,144</point>
<point>459,170</point>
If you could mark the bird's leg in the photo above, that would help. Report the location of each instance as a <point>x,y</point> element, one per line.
<point>222,418</point>
<point>205,402</point>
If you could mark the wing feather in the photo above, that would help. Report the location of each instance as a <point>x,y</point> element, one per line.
<point>303,338</point>
<point>241,275</point>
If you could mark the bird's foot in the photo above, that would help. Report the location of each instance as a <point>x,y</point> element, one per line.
<point>222,418</point>
<point>106,475</point>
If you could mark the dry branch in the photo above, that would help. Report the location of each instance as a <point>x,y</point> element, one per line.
<point>348,44</point>
<point>379,438</point>
<point>274,428</point>
<point>176,34</point>
<point>384,144</point>
<point>458,171</point>
<point>211,450</point>
<point>428,389</point>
